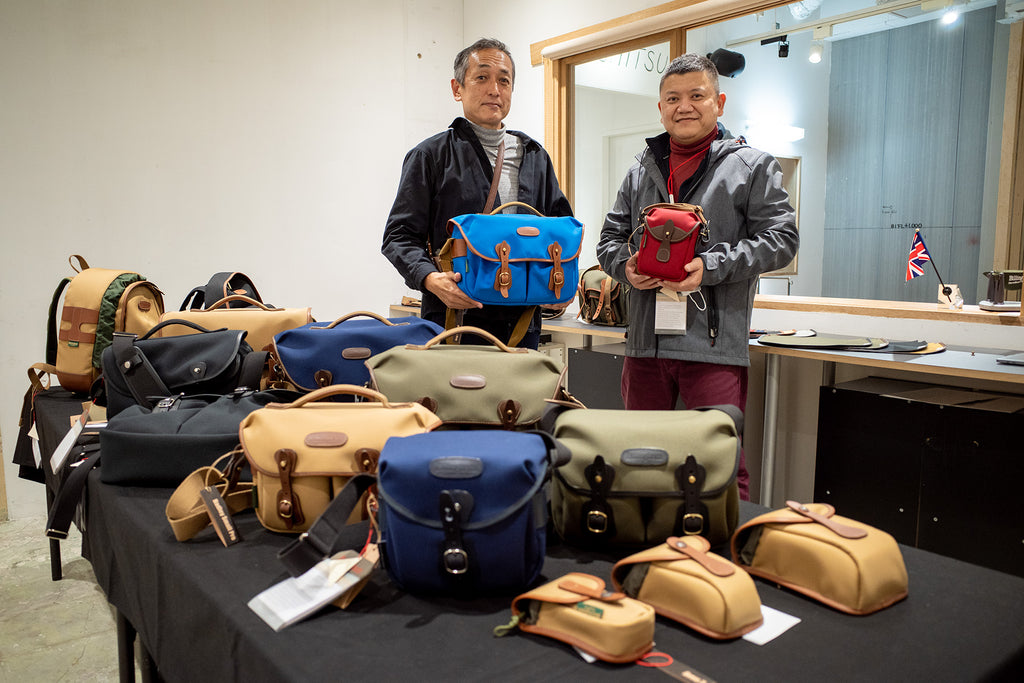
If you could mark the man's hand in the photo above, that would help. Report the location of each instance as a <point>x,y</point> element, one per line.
<point>636,279</point>
<point>442,285</point>
<point>694,276</point>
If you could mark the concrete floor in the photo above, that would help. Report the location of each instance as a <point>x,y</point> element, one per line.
<point>51,630</point>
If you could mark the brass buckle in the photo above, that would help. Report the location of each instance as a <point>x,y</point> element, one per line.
<point>686,519</point>
<point>456,561</point>
<point>597,522</point>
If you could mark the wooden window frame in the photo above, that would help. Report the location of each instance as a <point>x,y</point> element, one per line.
<point>670,21</point>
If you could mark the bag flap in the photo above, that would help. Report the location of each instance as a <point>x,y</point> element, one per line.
<point>189,359</point>
<point>645,447</point>
<point>502,471</point>
<point>528,236</point>
<point>329,438</point>
<point>677,222</point>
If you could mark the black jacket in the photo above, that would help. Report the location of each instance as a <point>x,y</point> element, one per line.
<point>448,175</point>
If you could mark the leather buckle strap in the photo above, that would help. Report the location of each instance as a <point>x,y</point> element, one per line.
<point>503,278</point>
<point>454,508</point>
<point>690,479</point>
<point>557,278</point>
<point>598,518</point>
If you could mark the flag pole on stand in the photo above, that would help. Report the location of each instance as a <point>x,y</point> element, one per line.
<point>915,263</point>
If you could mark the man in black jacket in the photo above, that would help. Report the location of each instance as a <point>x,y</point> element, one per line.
<point>449,174</point>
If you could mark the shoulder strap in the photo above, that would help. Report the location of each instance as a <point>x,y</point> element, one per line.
<point>492,194</point>
<point>62,511</point>
<point>194,299</point>
<point>139,374</point>
<point>51,330</point>
<point>330,533</point>
<point>187,513</point>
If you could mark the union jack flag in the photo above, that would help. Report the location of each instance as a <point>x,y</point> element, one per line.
<point>918,257</point>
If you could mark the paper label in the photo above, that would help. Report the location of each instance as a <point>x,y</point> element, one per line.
<point>775,624</point>
<point>60,453</point>
<point>295,598</point>
<point>670,313</point>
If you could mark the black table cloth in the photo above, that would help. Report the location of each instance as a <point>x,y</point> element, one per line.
<point>188,601</point>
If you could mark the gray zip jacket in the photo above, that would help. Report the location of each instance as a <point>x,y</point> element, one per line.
<point>752,230</point>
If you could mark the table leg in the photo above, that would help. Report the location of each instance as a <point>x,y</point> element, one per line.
<point>771,416</point>
<point>56,573</point>
<point>125,649</point>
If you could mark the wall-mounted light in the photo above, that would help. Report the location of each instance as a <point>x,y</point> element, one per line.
<point>817,49</point>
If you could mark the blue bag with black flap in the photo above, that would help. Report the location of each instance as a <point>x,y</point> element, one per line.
<point>516,259</point>
<point>465,512</point>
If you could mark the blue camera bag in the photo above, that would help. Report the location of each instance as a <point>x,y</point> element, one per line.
<point>516,259</point>
<point>465,512</point>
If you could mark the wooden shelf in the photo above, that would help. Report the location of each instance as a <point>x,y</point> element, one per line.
<point>885,309</point>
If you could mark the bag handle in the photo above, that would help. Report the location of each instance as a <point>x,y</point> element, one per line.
<point>177,321</point>
<point>354,314</point>
<point>240,297</point>
<point>508,204</point>
<point>466,329</point>
<point>334,390</point>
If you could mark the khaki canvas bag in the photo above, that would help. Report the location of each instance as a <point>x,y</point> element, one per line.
<point>577,610</point>
<point>686,583</point>
<point>303,453</point>
<point>260,321</point>
<point>841,562</point>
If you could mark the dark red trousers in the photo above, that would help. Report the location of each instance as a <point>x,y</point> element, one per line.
<point>654,384</point>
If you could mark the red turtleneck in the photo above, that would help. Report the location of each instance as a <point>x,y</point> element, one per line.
<point>684,161</point>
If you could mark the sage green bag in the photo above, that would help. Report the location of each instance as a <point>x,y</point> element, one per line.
<point>476,385</point>
<point>637,477</point>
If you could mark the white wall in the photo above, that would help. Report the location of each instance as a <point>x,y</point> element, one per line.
<point>178,139</point>
<point>182,138</point>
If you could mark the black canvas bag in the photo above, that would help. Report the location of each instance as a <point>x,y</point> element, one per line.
<point>141,371</point>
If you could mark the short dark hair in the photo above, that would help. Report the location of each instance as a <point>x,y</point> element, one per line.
<point>462,59</point>
<point>690,63</point>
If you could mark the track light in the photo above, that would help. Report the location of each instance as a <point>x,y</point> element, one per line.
<point>817,49</point>
<point>783,44</point>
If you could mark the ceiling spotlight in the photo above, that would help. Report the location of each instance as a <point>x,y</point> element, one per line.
<point>817,49</point>
<point>729,64</point>
<point>950,16</point>
<point>783,44</point>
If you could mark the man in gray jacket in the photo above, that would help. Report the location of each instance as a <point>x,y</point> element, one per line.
<point>695,347</point>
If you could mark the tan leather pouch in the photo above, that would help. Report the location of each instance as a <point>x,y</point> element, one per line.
<point>841,562</point>
<point>686,583</point>
<point>577,610</point>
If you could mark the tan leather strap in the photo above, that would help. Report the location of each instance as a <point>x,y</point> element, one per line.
<point>698,552</point>
<point>492,194</point>
<point>186,512</point>
<point>844,530</point>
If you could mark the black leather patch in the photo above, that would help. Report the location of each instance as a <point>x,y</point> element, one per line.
<point>456,467</point>
<point>644,457</point>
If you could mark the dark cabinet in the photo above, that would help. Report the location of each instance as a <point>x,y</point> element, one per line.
<point>944,478</point>
<point>595,375</point>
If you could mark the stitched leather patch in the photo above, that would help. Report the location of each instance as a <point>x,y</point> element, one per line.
<point>326,439</point>
<point>356,353</point>
<point>528,231</point>
<point>468,381</point>
<point>456,467</point>
<point>644,457</point>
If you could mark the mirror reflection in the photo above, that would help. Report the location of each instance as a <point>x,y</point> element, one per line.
<point>886,117</point>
